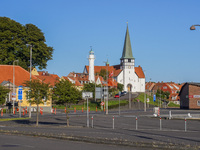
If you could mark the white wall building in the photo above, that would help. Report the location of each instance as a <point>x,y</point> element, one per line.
<point>126,73</point>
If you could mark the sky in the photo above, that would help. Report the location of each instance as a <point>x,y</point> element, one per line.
<point>161,39</point>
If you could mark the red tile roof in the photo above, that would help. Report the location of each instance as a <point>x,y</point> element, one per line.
<point>139,72</point>
<point>21,75</point>
<point>97,69</point>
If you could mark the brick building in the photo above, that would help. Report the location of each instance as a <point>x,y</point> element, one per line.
<point>190,96</point>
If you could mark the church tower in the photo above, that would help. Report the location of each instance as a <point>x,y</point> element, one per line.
<point>127,63</point>
<point>91,66</point>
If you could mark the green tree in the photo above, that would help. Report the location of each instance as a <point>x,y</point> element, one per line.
<point>90,87</point>
<point>104,73</point>
<point>3,94</point>
<point>38,93</point>
<point>13,40</point>
<point>120,86</point>
<point>64,93</point>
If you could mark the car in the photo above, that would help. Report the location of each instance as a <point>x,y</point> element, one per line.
<point>116,96</point>
<point>123,93</point>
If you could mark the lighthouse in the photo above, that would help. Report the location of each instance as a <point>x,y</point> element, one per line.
<point>91,66</point>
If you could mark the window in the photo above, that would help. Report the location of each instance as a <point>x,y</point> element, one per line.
<point>198,103</point>
<point>129,60</point>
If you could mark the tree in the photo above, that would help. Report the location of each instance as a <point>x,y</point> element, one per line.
<point>64,93</point>
<point>104,73</point>
<point>3,94</point>
<point>13,40</point>
<point>37,94</point>
<point>120,86</point>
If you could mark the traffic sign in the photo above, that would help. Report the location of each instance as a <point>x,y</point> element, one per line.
<point>154,97</point>
<point>20,93</point>
<point>102,103</point>
<point>147,100</point>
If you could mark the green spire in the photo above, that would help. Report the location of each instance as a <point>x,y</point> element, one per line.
<point>127,51</point>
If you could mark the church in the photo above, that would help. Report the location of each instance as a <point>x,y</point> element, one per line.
<point>133,78</point>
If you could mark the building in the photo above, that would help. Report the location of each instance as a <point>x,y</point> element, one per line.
<point>126,73</point>
<point>170,87</point>
<point>14,76</point>
<point>190,96</point>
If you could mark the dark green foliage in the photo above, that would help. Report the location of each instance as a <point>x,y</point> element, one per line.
<point>162,94</point>
<point>64,93</point>
<point>104,73</point>
<point>38,93</point>
<point>120,86</point>
<point>13,40</point>
<point>3,94</point>
<point>90,87</point>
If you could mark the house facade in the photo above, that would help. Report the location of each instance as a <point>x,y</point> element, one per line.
<point>13,77</point>
<point>190,96</point>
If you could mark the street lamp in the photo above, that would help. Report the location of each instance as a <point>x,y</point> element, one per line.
<point>193,27</point>
<point>14,93</point>
<point>29,45</point>
<point>106,89</point>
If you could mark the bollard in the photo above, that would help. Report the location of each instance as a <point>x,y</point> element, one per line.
<point>170,114</point>
<point>23,111</point>
<point>113,122</point>
<point>185,125</point>
<point>160,123</point>
<point>92,121</point>
<point>89,109</point>
<point>96,109</point>
<point>104,108</point>
<point>74,109</point>
<point>26,110</point>
<point>55,111</point>
<point>14,111</point>
<point>17,109</point>
<point>82,109</point>
<point>52,110</point>
<point>41,111</point>
<point>65,110</point>
<point>1,112</point>
<point>136,125</point>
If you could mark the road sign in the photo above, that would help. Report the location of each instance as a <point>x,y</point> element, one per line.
<point>13,96</point>
<point>87,95</point>
<point>102,103</point>
<point>147,100</point>
<point>20,93</point>
<point>154,97</point>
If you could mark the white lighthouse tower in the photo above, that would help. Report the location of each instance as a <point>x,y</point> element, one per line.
<point>91,66</point>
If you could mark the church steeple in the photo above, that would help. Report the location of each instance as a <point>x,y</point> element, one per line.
<point>127,50</point>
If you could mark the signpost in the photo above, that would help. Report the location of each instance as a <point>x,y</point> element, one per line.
<point>87,95</point>
<point>20,96</point>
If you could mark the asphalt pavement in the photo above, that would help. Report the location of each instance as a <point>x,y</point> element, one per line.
<point>146,132</point>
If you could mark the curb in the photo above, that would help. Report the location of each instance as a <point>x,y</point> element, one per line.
<point>114,141</point>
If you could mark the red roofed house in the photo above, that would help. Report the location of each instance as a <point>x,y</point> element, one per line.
<point>126,73</point>
<point>171,87</point>
<point>46,77</point>
<point>15,76</point>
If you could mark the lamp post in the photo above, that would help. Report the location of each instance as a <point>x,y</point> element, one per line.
<point>106,87</point>
<point>14,92</point>
<point>29,45</point>
<point>193,27</point>
<point>145,109</point>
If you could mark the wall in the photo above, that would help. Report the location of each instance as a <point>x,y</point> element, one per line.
<point>194,90</point>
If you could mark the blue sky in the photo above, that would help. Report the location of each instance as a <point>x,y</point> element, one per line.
<point>159,30</point>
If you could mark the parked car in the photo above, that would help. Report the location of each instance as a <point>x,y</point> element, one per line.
<point>116,96</point>
<point>123,93</point>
